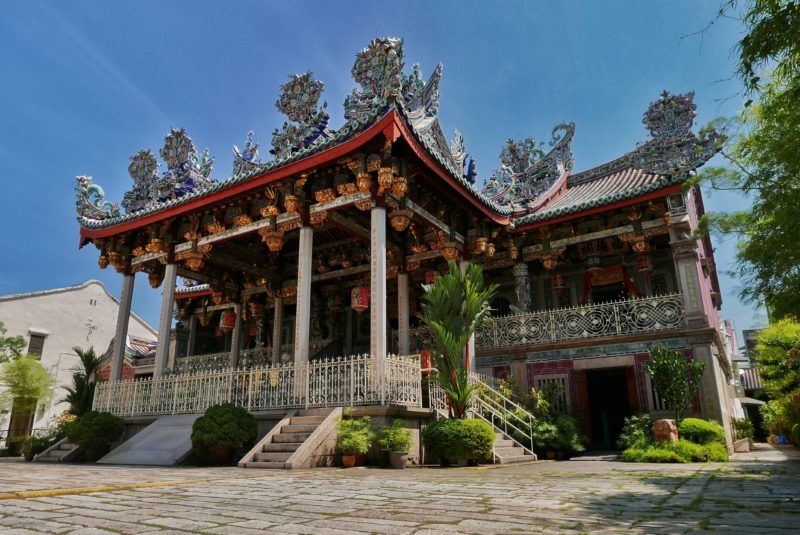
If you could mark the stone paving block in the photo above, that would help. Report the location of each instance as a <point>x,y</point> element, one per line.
<point>179,523</point>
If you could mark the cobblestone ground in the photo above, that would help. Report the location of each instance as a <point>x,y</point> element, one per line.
<point>759,493</point>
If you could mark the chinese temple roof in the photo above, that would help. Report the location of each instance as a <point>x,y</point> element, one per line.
<point>532,184</point>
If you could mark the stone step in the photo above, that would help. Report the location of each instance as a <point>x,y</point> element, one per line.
<point>265,464</point>
<point>306,420</point>
<point>290,437</point>
<point>301,428</point>
<point>499,436</point>
<point>66,446</point>
<point>516,459</point>
<point>503,443</point>
<point>282,446</point>
<point>314,412</point>
<point>509,451</point>
<point>272,457</point>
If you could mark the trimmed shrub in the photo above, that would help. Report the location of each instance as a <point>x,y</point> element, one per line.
<point>33,446</point>
<point>637,431</point>
<point>651,454</point>
<point>455,439</point>
<point>224,426</point>
<point>545,436</point>
<point>701,431</point>
<point>394,437</point>
<point>682,451</point>
<point>95,432</point>
<point>570,438</point>
<point>354,436</point>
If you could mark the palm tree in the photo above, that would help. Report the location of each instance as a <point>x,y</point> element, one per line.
<point>81,394</point>
<point>453,308</point>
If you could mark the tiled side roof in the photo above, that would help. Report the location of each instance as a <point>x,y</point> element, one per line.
<point>616,186</point>
<point>197,288</point>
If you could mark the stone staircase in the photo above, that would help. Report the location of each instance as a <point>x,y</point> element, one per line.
<point>293,442</point>
<point>61,451</point>
<point>506,451</point>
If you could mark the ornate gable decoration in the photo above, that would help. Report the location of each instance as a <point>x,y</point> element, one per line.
<point>246,159</point>
<point>298,101</point>
<point>673,148</point>
<point>378,69</point>
<point>526,170</point>
<point>187,171</point>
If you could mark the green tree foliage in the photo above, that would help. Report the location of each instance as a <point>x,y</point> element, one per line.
<point>354,436</point>
<point>11,347</point>
<point>27,383</point>
<point>80,393</point>
<point>778,349</point>
<point>675,378</point>
<point>453,308</point>
<point>763,151</point>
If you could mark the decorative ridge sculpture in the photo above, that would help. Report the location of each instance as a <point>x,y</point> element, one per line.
<point>298,101</point>
<point>91,201</point>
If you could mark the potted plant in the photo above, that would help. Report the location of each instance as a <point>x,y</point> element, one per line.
<point>395,439</point>
<point>546,438</point>
<point>354,437</point>
<point>95,432</point>
<point>221,431</point>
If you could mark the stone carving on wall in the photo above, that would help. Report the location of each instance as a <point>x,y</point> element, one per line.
<point>522,288</point>
<point>298,101</point>
<point>91,200</point>
<point>526,170</point>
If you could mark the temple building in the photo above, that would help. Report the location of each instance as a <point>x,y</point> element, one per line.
<point>301,274</point>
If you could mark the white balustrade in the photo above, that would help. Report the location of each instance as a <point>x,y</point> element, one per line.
<point>325,383</point>
<point>629,316</point>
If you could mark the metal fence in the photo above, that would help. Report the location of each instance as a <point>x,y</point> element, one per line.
<point>344,381</point>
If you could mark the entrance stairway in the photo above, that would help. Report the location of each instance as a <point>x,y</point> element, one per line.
<point>298,441</point>
<point>506,450</point>
<point>61,451</point>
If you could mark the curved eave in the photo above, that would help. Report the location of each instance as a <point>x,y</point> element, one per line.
<point>243,187</point>
<point>668,187</point>
<point>435,166</point>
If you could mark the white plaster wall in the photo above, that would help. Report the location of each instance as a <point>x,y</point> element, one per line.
<point>84,316</point>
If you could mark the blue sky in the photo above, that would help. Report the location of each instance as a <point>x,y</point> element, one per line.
<point>85,84</point>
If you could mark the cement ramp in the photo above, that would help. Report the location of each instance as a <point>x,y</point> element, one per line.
<point>165,442</point>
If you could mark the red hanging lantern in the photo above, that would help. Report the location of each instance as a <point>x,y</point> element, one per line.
<point>359,299</point>
<point>558,281</point>
<point>644,264</point>
<point>430,276</point>
<point>227,321</point>
<point>425,361</point>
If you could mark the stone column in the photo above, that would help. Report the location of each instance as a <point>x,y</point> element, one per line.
<point>402,314</point>
<point>377,330</point>
<point>302,320</point>
<point>165,324</point>
<point>469,351</point>
<point>121,334</point>
<point>522,287</point>
<point>277,325</point>
<point>190,343</point>
<point>687,269</point>
<point>236,336</point>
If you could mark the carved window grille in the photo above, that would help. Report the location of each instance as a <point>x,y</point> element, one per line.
<point>36,345</point>
<point>562,403</point>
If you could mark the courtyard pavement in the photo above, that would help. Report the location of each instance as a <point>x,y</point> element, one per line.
<point>756,493</point>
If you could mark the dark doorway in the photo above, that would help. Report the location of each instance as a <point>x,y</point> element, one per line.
<point>609,292</point>
<point>608,405</point>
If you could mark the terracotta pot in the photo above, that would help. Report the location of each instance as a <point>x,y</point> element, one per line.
<point>349,461</point>
<point>398,459</point>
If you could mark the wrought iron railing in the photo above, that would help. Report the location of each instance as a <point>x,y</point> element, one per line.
<point>590,321</point>
<point>357,380</point>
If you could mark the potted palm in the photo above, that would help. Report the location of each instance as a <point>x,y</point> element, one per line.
<point>396,440</point>
<point>354,437</point>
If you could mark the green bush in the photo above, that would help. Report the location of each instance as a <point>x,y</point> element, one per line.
<point>95,432</point>
<point>744,428</point>
<point>570,438</point>
<point>33,446</point>
<point>637,431</point>
<point>682,451</point>
<point>455,439</point>
<point>354,436</point>
<point>224,426</point>
<point>701,431</point>
<point>545,436</point>
<point>651,454</point>
<point>394,437</point>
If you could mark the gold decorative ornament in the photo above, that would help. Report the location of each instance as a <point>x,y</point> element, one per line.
<point>399,186</point>
<point>640,246</point>
<point>291,224</point>
<point>289,291</point>
<point>156,245</point>
<point>270,210</point>
<point>319,218</point>
<point>412,265</point>
<point>273,238</point>
<point>217,296</point>
<point>417,248</point>
<point>139,251</point>
<point>347,188</point>
<point>215,227</point>
<point>667,218</point>
<point>194,260</point>
<point>364,182</point>
<point>102,261</point>
<point>364,205</point>
<point>385,179</point>
<point>549,263</point>
<point>490,249</point>
<point>325,195</point>
<point>400,219</point>
<point>292,204</point>
<point>450,250</point>
<point>479,246</point>
<point>242,220</point>
<point>155,277</point>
